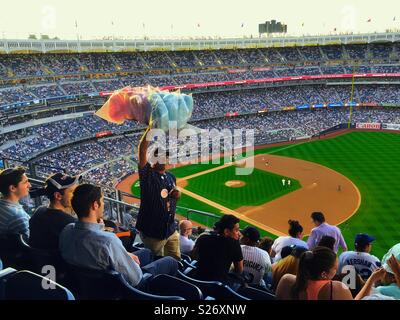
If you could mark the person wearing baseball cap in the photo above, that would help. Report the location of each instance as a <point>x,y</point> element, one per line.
<point>256,262</point>
<point>47,223</point>
<point>360,259</point>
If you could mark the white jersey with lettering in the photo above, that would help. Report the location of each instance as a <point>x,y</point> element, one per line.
<point>363,262</point>
<point>256,263</point>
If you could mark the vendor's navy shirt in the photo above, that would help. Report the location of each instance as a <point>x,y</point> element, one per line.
<point>154,220</point>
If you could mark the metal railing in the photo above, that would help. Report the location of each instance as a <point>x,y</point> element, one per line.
<point>206,219</point>
<point>114,209</point>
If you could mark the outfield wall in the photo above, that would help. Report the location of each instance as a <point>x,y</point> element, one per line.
<point>391,126</point>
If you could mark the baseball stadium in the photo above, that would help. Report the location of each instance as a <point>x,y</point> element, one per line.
<point>347,175</point>
<point>324,116</point>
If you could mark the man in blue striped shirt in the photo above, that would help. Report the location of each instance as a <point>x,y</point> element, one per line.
<point>14,185</point>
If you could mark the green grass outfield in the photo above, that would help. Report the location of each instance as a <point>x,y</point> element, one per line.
<point>370,159</point>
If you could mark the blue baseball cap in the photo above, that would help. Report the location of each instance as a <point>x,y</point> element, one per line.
<point>363,239</point>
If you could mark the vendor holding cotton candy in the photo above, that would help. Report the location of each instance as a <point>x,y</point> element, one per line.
<point>148,105</point>
<point>158,200</point>
<point>158,191</point>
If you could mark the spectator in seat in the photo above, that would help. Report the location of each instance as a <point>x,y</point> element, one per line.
<point>327,241</point>
<point>287,251</point>
<point>216,252</point>
<point>266,244</point>
<point>185,230</point>
<point>314,279</point>
<point>256,262</point>
<point>321,229</point>
<point>85,243</point>
<point>360,259</point>
<point>287,265</point>
<point>14,185</point>
<point>390,286</point>
<point>47,223</point>
<point>294,238</point>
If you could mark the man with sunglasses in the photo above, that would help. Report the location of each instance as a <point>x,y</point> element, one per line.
<point>47,223</point>
<point>14,185</point>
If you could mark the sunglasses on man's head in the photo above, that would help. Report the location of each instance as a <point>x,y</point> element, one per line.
<point>61,187</point>
<point>6,172</point>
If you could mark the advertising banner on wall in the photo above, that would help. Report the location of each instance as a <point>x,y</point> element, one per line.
<point>368,126</point>
<point>391,126</point>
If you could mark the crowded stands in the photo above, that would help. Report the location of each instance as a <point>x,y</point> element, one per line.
<point>241,264</point>
<point>82,157</point>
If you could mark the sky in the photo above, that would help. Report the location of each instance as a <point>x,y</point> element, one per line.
<point>174,19</point>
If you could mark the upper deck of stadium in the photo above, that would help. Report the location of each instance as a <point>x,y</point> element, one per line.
<point>75,46</point>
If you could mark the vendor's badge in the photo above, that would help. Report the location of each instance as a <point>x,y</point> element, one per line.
<point>164,193</point>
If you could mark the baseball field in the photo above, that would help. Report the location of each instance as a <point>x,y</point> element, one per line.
<point>352,178</point>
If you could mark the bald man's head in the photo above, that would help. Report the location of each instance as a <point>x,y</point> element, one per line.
<point>185,227</point>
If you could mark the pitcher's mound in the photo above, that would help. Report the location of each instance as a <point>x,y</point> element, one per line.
<point>235,183</point>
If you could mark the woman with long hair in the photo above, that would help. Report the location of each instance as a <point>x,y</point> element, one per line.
<point>314,279</point>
